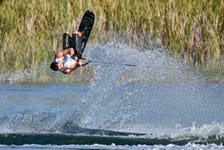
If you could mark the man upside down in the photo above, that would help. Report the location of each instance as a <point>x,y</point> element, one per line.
<point>68,59</point>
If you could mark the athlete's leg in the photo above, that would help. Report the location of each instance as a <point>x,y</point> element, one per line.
<point>77,41</point>
<point>66,40</point>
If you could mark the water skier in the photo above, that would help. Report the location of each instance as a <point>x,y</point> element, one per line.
<point>73,46</point>
<point>69,59</point>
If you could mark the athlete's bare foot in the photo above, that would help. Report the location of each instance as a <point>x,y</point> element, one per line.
<point>79,33</point>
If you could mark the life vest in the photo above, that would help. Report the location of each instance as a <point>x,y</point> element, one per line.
<point>67,62</point>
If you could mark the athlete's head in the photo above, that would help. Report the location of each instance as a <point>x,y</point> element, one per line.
<point>54,66</point>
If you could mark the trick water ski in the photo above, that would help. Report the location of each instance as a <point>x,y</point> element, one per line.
<point>68,59</point>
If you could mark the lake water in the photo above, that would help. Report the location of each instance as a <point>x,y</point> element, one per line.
<point>158,104</point>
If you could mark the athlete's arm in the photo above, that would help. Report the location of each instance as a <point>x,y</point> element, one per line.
<point>67,71</point>
<point>65,52</point>
<point>70,69</point>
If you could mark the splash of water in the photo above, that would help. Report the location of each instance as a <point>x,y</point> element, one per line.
<point>118,94</point>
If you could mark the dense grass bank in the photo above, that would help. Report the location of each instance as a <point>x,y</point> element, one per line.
<point>31,30</point>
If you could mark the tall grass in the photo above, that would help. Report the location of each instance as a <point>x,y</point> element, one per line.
<point>31,30</point>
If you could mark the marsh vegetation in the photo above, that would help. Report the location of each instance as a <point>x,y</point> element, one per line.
<point>31,31</point>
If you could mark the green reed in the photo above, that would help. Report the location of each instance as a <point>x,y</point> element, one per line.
<point>31,31</point>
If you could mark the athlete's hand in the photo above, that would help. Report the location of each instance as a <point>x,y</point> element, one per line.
<point>76,58</point>
<point>71,51</point>
<point>79,33</point>
<point>80,62</point>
